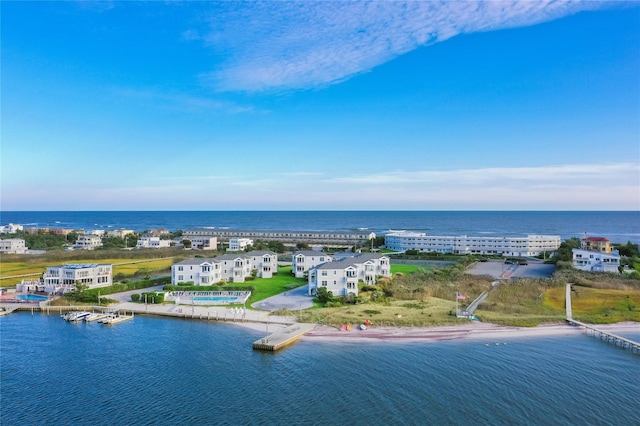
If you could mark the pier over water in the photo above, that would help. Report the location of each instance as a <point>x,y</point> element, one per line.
<point>603,335</point>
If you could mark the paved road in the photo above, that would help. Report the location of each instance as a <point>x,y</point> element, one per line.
<point>293,300</point>
<point>498,269</point>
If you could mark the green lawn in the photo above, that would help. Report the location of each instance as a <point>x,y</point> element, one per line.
<point>267,287</point>
<point>405,269</point>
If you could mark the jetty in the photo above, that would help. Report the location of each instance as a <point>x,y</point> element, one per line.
<point>283,338</point>
<point>603,335</point>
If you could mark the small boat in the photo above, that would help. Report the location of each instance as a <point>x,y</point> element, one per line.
<point>95,317</point>
<point>363,327</point>
<point>75,316</point>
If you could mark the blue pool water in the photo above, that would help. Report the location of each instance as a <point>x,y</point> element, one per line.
<point>216,299</point>
<point>32,297</point>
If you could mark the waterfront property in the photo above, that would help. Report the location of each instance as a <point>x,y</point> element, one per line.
<point>304,260</point>
<point>239,244</point>
<point>204,243</point>
<point>13,246</point>
<point>588,260</point>
<point>531,245</point>
<point>328,238</point>
<point>152,242</point>
<point>229,267</point>
<point>10,228</point>
<point>341,277</point>
<point>65,278</point>
<point>600,244</point>
<point>88,242</point>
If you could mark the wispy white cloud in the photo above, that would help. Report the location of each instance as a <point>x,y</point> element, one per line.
<point>297,45</point>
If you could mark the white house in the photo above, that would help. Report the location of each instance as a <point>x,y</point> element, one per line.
<point>239,244</point>
<point>588,260</point>
<point>531,245</point>
<point>265,262</point>
<point>88,242</point>
<point>119,233</point>
<point>204,243</point>
<point>152,242</point>
<point>305,260</point>
<point>13,246</point>
<point>10,228</point>
<point>341,277</point>
<point>64,278</point>
<point>200,271</point>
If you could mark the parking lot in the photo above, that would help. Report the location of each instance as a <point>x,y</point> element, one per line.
<point>499,269</point>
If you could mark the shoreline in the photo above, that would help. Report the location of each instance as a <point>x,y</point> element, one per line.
<point>473,331</point>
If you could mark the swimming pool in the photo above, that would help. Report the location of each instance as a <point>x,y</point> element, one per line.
<point>215,299</point>
<point>32,297</point>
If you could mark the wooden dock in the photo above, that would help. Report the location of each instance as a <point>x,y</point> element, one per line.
<point>604,335</point>
<point>283,338</point>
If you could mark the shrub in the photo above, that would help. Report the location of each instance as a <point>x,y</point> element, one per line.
<point>135,297</point>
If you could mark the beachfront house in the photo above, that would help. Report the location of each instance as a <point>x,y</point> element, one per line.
<point>341,277</point>
<point>13,246</point>
<point>304,260</point>
<point>204,243</point>
<point>65,278</point>
<point>10,228</point>
<point>264,262</point>
<point>590,260</point>
<point>239,244</point>
<point>600,244</point>
<point>152,242</point>
<point>88,242</point>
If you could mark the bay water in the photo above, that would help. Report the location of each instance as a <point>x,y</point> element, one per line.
<point>160,371</point>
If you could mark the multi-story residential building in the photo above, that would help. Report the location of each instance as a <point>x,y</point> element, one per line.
<point>341,277</point>
<point>531,245</point>
<point>98,232</point>
<point>229,267</point>
<point>152,242</point>
<point>204,243</point>
<point>88,242</point>
<point>603,245</point>
<point>265,262</point>
<point>13,246</point>
<point>588,260</point>
<point>119,233</point>
<point>239,244</point>
<point>304,260</point>
<point>320,238</point>
<point>10,228</point>
<point>200,271</point>
<point>64,278</point>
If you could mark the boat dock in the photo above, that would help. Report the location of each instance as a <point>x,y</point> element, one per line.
<point>283,338</point>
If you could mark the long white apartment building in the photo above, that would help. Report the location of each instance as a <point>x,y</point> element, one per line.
<point>13,246</point>
<point>531,245</point>
<point>64,278</point>
<point>229,267</point>
<point>341,277</point>
<point>304,260</point>
<point>330,238</point>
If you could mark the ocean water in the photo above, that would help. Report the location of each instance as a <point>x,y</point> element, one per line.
<point>617,226</point>
<point>158,371</point>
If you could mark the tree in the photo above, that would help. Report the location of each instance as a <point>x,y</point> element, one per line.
<point>186,243</point>
<point>324,295</point>
<point>302,246</point>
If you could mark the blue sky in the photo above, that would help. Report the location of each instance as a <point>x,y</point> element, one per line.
<point>320,105</point>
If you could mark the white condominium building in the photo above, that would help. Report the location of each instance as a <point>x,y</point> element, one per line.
<point>305,260</point>
<point>239,244</point>
<point>88,242</point>
<point>229,267</point>
<point>341,277</point>
<point>531,245</point>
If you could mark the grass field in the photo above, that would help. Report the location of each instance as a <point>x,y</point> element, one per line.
<point>405,269</point>
<point>594,305</point>
<point>432,311</point>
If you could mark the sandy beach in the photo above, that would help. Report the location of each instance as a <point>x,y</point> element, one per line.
<point>473,330</point>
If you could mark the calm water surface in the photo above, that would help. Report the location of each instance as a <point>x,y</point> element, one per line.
<point>168,371</point>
